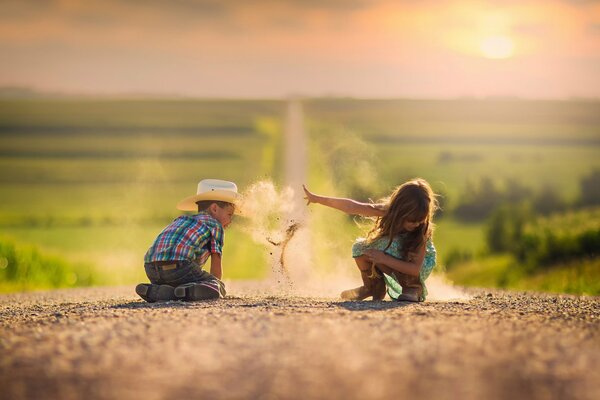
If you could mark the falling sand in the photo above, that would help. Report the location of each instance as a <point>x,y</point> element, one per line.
<point>289,234</point>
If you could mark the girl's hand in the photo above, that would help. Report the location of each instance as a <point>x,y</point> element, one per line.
<point>375,256</point>
<point>310,197</point>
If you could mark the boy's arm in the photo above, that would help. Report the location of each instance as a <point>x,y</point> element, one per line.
<point>216,268</point>
<point>411,267</point>
<point>348,206</point>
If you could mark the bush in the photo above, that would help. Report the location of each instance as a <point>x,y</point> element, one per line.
<point>25,267</point>
<point>540,249</point>
<point>457,256</point>
<point>541,243</point>
<point>505,227</point>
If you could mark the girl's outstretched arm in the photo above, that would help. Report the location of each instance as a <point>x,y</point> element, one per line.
<point>348,206</point>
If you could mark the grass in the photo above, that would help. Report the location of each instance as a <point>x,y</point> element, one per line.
<point>24,267</point>
<point>464,121</point>
<point>93,181</point>
<point>576,277</point>
<point>375,145</point>
<point>559,166</point>
<point>455,143</point>
<point>117,251</point>
<point>80,116</point>
<point>569,222</point>
<point>451,235</point>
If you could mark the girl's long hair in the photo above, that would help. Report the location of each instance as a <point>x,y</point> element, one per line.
<point>413,201</point>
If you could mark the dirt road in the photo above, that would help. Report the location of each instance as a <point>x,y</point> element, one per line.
<point>107,344</point>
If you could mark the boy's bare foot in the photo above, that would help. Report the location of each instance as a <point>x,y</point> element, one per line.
<point>360,293</point>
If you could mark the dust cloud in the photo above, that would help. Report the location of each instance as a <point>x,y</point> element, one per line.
<point>278,220</point>
<point>266,210</point>
<point>441,289</point>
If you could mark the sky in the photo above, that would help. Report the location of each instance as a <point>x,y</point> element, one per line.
<point>278,48</point>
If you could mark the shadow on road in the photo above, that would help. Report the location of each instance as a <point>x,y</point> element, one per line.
<point>269,303</point>
<point>373,305</point>
<point>133,305</point>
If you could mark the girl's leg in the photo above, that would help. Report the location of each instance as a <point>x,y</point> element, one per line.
<point>371,286</point>
<point>411,286</point>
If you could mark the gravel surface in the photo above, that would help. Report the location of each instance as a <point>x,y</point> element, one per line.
<point>105,343</point>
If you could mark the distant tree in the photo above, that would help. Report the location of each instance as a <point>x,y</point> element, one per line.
<point>590,189</point>
<point>497,235</point>
<point>479,201</point>
<point>547,201</point>
<point>515,191</point>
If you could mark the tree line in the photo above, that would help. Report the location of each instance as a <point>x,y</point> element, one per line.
<point>511,223</point>
<point>480,201</point>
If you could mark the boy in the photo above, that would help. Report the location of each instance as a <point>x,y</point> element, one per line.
<point>174,261</point>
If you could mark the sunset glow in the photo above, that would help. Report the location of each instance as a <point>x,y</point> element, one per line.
<point>232,48</point>
<point>497,47</point>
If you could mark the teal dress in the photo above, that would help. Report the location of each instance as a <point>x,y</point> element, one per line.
<point>395,250</point>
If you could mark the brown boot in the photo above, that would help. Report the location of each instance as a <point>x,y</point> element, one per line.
<point>359,293</point>
<point>379,290</point>
<point>409,295</point>
<point>369,288</point>
<point>411,288</point>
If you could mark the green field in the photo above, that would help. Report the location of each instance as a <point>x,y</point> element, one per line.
<point>454,143</point>
<point>94,181</point>
<point>371,146</point>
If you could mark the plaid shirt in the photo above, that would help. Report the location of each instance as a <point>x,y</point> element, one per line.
<point>193,237</point>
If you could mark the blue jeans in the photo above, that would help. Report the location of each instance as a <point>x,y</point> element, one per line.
<point>178,273</point>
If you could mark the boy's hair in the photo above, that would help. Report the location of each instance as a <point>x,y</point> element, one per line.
<point>414,201</point>
<point>204,204</point>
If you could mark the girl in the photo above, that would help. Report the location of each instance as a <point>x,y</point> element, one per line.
<point>398,252</point>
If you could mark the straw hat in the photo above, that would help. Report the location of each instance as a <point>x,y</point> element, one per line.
<point>210,189</point>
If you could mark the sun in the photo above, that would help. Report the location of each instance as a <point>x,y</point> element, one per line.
<point>497,47</point>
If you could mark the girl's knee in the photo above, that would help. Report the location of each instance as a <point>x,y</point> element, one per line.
<point>383,268</point>
<point>363,263</point>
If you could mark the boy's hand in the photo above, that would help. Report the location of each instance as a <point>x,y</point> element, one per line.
<point>310,197</point>
<point>216,268</point>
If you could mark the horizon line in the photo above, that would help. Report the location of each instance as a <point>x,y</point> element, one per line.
<point>11,92</point>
